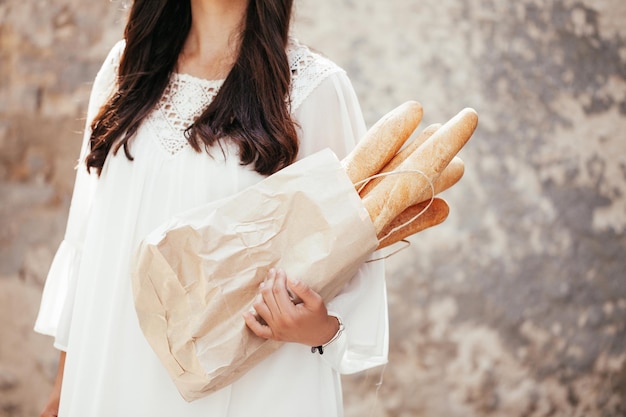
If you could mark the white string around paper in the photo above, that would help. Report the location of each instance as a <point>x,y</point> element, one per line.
<point>361,184</point>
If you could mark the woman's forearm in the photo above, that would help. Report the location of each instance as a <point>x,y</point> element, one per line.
<point>59,379</point>
<point>51,408</point>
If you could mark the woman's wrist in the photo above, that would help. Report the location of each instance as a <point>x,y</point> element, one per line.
<point>336,328</point>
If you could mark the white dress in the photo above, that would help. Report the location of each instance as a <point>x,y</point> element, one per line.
<point>87,303</point>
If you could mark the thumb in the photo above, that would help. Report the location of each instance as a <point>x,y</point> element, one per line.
<point>304,292</point>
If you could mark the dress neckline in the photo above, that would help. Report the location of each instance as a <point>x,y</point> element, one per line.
<point>292,45</point>
<point>188,77</point>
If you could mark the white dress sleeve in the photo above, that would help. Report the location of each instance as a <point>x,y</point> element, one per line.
<point>57,301</point>
<point>330,117</point>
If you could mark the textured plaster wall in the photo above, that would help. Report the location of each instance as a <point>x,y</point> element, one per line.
<point>516,306</point>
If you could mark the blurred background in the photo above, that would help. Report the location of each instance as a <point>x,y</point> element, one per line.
<point>515,306</point>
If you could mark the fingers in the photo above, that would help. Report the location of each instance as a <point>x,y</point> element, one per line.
<point>267,298</point>
<point>273,305</point>
<point>257,328</point>
<point>281,294</point>
<point>276,289</point>
<point>274,293</point>
<point>310,299</point>
<point>278,318</point>
<point>263,310</point>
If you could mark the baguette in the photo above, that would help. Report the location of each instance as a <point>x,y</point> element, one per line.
<point>436,213</point>
<point>450,175</point>
<point>382,141</point>
<point>400,157</point>
<point>397,192</point>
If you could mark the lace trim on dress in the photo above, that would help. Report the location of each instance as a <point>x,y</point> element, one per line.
<point>186,96</point>
<point>182,103</point>
<point>308,70</point>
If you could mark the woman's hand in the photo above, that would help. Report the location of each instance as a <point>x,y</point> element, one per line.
<point>307,322</point>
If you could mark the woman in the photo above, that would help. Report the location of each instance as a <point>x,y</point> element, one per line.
<point>201,99</point>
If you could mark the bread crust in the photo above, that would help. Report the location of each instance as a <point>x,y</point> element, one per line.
<point>450,175</point>
<point>382,141</point>
<point>401,156</point>
<point>435,214</point>
<point>397,192</point>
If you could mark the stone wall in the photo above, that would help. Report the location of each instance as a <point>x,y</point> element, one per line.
<point>515,306</point>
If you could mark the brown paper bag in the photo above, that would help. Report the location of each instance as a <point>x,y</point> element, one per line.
<point>196,275</point>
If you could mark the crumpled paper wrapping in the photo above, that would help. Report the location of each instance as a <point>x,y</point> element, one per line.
<point>196,275</point>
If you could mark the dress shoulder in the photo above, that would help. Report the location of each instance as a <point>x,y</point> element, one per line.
<point>308,70</point>
<point>105,82</point>
<point>115,54</point>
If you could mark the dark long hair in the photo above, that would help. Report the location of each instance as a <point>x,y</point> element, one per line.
<point>250,109</point>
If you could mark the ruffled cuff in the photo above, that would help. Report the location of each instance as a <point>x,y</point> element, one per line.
<point>362,308</point>
<point>54,316</point>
